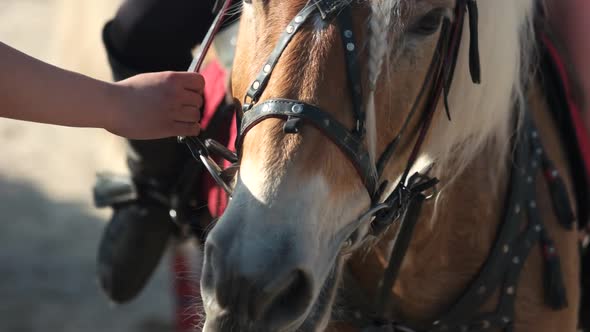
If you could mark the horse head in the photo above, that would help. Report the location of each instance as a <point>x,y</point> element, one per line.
<point>333,87</point>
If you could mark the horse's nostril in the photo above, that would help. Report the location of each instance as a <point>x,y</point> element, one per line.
<point>285,298</point>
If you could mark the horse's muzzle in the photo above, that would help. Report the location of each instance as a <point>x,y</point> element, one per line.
<point>253,286</point>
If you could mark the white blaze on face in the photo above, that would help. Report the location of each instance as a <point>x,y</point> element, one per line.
<point>308,203</point>
<point>256,179</point>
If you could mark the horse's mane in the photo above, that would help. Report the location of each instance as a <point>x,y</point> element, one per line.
<point>482,115</point>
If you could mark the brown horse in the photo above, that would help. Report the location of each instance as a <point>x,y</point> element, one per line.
<point>275,260</point>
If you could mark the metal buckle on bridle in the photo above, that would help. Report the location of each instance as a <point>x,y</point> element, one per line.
<point>248,103</point>
<point>198,149</point>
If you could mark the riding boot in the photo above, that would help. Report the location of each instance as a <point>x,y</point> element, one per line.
<point>141,226</point>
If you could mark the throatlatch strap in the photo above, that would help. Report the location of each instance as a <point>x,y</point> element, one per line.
<point>431,74</point>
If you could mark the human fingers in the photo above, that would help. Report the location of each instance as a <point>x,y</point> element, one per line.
<point>187,113</point>
<point>192,82</point>
<point>191,98</point>
<point>190,106</point>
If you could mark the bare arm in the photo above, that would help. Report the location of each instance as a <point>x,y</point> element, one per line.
<point>142,107</point>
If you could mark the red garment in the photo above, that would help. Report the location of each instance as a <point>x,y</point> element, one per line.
<point>574,109</point>
<point>215,90</point>
<point>186,289</point>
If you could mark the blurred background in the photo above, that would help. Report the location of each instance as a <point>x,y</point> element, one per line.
<point>49,229</point>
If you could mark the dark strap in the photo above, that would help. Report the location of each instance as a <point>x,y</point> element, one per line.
<point>394,201</point>
<point>511,248</point>
<point>350,142</point>
<point>498,270</point>
<point>352,69</point>
<point>400,247</point>
<point>492,272</point>
<point>431,74</point>
<point>500,273</point>
<point>257,87</point>
<point>474,59</point>
<point>346,140</point>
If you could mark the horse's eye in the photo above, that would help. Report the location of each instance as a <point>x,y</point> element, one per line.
<point>428,24</point>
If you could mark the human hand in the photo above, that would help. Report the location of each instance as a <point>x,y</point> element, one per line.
<point>158,105</point>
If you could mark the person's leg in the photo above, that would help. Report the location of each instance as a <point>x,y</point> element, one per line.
<point>146,36</point>
<point>154,35</point>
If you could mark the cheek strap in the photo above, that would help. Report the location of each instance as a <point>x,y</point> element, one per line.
<point>474,61</point>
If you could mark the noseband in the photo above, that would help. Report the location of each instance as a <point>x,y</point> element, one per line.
<point>350,141</point>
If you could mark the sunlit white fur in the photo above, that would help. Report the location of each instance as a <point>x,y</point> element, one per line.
<point>302,202</point>
<point>481,114</point>
<point>258,182</point>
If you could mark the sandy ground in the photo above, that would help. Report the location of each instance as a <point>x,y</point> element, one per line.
<point>49,229</point>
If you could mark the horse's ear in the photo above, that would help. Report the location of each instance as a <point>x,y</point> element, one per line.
<point>474,60</point>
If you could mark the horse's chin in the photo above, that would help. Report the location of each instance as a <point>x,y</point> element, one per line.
<point>316,320</point>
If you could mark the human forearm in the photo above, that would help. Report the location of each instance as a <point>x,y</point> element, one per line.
<point>35,91</point>
<point>146,106</point>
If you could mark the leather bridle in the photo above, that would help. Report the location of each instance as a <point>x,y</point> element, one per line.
<point>406,198</point>
<point>351,141</point>
<point>515,240</point>
<point>295,112</point>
